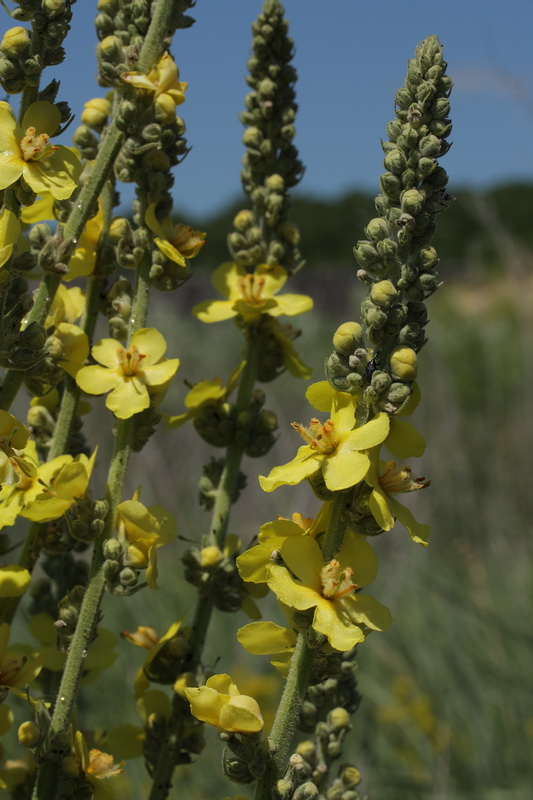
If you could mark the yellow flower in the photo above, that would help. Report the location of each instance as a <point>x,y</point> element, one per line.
<point>250,295</point>
<point>74,347</point>
<point>306,582</point>
<point>14,436</point>
<point>253,564</point>
<point>26,152</point>
<point>163,82</point>
<point>206,393</point>
<point>220,703</point>
<point>141,531</point>
<point>17,669</point>
<point>49,491</point>
<point>268,638</point>
<point>176,242</point>
<point>335,449</point>
<point>95,765</point>
<point>130,374</point>
<point>14,580</point>
<point>68,305</point>
<point>83,260</point>
<point>9,233</point>
<point>387,479</point>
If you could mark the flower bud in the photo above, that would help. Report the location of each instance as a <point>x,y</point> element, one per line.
<point>378,229</point>
<point>338,719</point>
<point>350,776</point>
<point>391,186</point>
<point>15,41</point>
<point>429,146</point>
<point>348,337</point>
<point>119,228</point>
<point>306,791</point>
<point>252,137</point>
<point>395,161</point>
<point>412,201</point>
<point>210,556</point>
<point>165,109</point>
<point>365,253</point>
<point>95,112</point>
<point>403,364</point>
<point>275,183</point>
<point>440,108</point>
<point>383,293</point>
<point>28,734</point>
<point>427,258</point>
<point>110,49</point>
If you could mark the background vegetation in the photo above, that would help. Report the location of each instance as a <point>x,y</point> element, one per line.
<point>447,708</point>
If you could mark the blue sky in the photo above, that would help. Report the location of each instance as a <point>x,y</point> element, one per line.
<point>351,56</point>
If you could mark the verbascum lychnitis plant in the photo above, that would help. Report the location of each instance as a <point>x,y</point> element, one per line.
<point>72,259</point>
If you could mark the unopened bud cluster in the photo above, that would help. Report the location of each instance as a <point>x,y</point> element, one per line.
<point>215,574</point>
<point>20,64</point>
<point>220,423</point>
<point>244,758</point>
<point>397,261</point>
<point>271,166</point>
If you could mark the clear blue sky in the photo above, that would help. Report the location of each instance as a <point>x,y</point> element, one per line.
<point>350,56</point>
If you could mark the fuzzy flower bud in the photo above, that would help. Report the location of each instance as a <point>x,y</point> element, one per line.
<point>15,41</point>
<point>377,229</point>
<point>338,719</point>
<point>95,112</point>
<point>403,364</point>
<point>383,293</point>
<point>348,337</point>
<point>28,734</point>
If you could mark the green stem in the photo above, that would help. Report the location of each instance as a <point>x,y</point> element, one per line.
<point>287,717</point>
<point>89,612</point>
<point>162,777</point>
<point>337,525</point>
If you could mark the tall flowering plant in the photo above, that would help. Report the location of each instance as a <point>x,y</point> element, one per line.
<point>59,222</point>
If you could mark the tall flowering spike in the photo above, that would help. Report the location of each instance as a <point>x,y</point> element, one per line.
<point>271,166</point>
<point>398,263</point>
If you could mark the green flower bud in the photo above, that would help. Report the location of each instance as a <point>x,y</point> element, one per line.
<point>374,317</point>
<point>403,364</point>
<point>128,577</point>
<point>306,749</point>
<point>440,127</point>
<point>110,49</point>
<point>438,178</point>
<point>275,183</point>
<point>427,258</point>
<point>306,791</point>
<point>387,250</point>
<point>252,137</point>
<point>283,789</point>
<point>440,108</point>
<point>350,776</point>
<point>429,146</point>
<point>377,229</point>
<point>412,201</point>
<point>14,42</point>
<point>119,228</point>
<point>112,549</point>
<point>365,253</point>
<point>338,720</point>
<point>395,161</point>
<point>380,381</point>
<point>348,337</point>
<point>397,394</point>
<point>391,186</point>
<point>383,293</point>
<point>267,88</point>
<point>244,220</point>
<point>403,98</point>
<point>425,167</point>
<point>429,283</point>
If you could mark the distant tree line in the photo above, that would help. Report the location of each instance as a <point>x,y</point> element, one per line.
<point>478,228</point>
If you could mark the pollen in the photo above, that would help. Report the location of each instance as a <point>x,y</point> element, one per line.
<point>320,436</point>
<point>336,581</point>
<point>130,360</point>
<point>34,146</point>
<point>251,289</point>
<point>399,479</point>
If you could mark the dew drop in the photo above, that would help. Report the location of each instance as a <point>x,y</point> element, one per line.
<point>79,205</point>
<point>62,698</point>
<point>84,654</point>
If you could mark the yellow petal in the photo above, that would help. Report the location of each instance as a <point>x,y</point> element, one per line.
<point>14,580</point>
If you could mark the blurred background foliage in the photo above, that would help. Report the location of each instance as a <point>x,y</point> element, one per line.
<point>447,709</point>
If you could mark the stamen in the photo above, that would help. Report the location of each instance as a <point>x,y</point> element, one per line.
<point>320,437</point>
<point>130,360</point>
<point>398,479</point>
<point>251,289</point>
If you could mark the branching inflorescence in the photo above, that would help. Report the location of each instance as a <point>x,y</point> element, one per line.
<point>57,222</point>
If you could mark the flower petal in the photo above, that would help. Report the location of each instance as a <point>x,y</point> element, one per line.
<point>129,397</point>
<point>304,464</point>
<point>344,468</point>
<point>265,638</point>
<point>418,531</point>
<point>404,441</point>
<point>96,379</point>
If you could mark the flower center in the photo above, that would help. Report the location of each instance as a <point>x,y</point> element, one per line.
<point>251,289</point>
<point>321,437</point>
<point>130,360</point>
<point>336,581</point>
<point>185,239</point>
<point>34,146</point>
<point>398,479</point>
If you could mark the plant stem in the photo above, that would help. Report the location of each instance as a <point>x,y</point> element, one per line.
<point>287,716</point>
<point>162,777</point>
<point>337,525</point>
<point>89,612</point>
